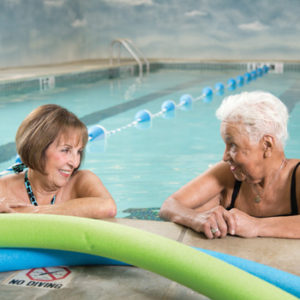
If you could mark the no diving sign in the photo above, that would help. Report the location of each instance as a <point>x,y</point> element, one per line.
<point>50,278</point>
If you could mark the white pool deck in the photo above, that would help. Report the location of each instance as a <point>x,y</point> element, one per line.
<point>116,282</point>
<point>29,72</point>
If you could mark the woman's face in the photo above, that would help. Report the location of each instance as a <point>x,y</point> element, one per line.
<point>62,157</point>
<point>245,158</point>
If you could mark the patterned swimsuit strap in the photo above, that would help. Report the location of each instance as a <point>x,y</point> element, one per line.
<point>19,167</point>
<point>30,192</point>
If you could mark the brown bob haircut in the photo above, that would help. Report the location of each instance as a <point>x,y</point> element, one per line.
<point>40,128</point>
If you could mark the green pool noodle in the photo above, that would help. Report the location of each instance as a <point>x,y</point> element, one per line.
<point>178,262</point>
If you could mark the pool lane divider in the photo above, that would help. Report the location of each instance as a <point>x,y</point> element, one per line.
<point>7,151</point>
<point>143,118</point>
<point>12,259</point>
<point>197,270</point>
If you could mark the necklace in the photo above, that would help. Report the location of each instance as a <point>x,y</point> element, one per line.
<point>258,197</point>
<point>30,192</point>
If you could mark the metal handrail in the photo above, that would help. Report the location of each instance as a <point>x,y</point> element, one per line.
<point>133,50</point>
<point>140,53</point>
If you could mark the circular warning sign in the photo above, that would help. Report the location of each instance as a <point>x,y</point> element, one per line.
<point>48,274</point>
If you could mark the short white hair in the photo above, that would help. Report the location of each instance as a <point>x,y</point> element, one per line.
<point>260,112</point>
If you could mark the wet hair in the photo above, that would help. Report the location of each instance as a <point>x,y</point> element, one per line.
<point>39,130</point>
<point>260,112</point>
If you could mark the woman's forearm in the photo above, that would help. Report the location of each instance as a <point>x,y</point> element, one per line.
<point>89,207</point>
<point>214,222</point>
<point>281,227</point>
<point>175,212</point>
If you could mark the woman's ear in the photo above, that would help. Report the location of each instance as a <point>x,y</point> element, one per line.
<point>268,144</point>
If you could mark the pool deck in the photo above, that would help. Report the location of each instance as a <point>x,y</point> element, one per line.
<point>29,72</point>
<point>114,282</point>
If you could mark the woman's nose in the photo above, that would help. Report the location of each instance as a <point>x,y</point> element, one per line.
<point>226,155</point>
<point>74,160</point>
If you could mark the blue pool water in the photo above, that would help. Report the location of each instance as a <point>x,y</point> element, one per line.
<point>141,168</point>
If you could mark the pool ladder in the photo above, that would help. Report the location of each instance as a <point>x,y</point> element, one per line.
<point>133,50</point>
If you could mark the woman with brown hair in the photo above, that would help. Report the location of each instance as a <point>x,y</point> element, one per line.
<point>51,142</point>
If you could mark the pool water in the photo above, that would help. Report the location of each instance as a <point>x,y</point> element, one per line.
<point>139,167</point>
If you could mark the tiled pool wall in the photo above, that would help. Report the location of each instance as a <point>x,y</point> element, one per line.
<point>63,80</point>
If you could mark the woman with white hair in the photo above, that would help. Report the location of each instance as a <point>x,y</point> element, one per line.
<point>252,192</point>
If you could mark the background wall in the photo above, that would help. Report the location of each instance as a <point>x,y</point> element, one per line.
<point>34,32</point>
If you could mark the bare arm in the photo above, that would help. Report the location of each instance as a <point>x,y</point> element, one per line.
<point>280,227</point>
<point>92,200</point>
<point>197,205</point>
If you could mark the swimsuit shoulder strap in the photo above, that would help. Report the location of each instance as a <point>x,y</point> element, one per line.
<point>236,189</point>
<point>30,192</point>
<point>294,205</point>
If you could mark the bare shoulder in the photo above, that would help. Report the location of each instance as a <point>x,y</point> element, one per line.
<point>2,185</point>
<point>297,161</point>
<point>295,169</point>
<point>10,179</point>
<point>292,166</point>
<point>218,175</point>
<point>11,184</point>
<point>86,183</point>
<point>297,174</point>
<point>84,177</point>
<point>221,173</point>
<point>216,179</point>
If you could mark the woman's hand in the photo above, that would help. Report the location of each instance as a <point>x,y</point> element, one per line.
<point>246,226</point>
<point>214,223</point>
<point>5,207</point>
<point>11,207</point>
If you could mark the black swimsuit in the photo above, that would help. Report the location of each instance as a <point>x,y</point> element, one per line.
<point>294,205</point>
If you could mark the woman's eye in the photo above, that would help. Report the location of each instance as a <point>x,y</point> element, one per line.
<point>232,146</point>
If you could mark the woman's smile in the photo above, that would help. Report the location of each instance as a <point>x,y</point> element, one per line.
<point>66,173</point>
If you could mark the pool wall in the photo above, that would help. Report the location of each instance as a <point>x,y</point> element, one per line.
<point>44,82</point>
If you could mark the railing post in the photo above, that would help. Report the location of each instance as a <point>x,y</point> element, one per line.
<point>133,50</point>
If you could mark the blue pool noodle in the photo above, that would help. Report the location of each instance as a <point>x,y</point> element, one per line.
<point>284,280</point>
<point>12,259</point>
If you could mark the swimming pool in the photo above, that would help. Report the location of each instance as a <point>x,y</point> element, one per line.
<point>141,168</point>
